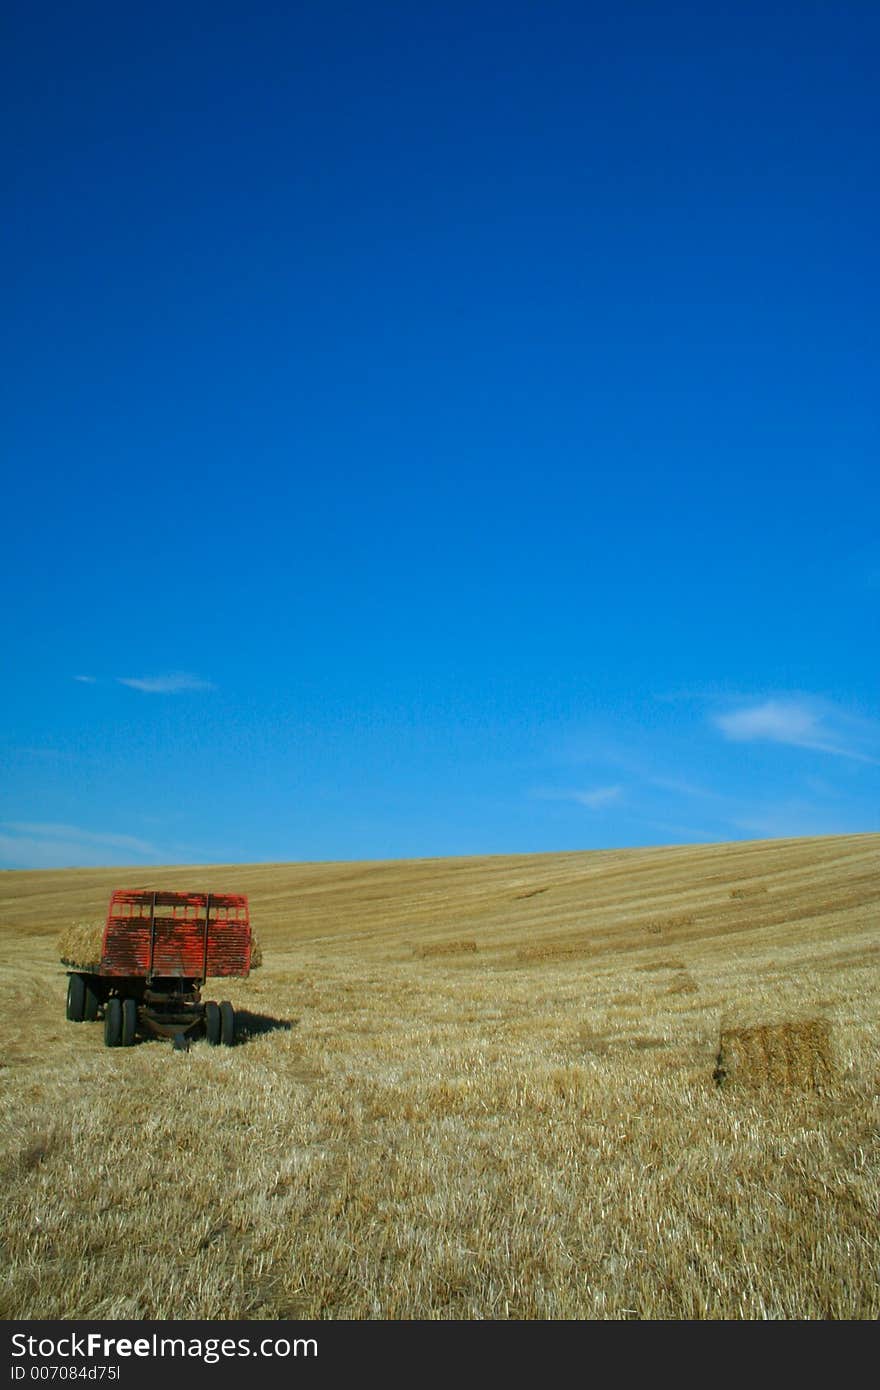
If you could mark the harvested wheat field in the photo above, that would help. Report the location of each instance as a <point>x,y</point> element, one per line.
<point>640,1084</point>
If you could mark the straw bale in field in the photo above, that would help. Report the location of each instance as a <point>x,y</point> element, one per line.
<point>446,948</point>
<point>794,1055</point>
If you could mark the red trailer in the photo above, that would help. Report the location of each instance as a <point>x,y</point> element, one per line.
<point>158,950</point>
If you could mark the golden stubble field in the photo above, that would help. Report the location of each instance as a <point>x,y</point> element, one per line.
<point>634,1084</point>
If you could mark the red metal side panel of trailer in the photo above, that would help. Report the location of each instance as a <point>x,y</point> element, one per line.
<point>229,937</point>
<point>178,935</point>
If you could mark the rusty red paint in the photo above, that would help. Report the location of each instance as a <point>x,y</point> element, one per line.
<point>176,935</point>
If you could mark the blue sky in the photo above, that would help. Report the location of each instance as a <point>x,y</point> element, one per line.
<point>438,429</point>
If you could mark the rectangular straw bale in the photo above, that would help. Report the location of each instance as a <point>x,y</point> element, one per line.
<point>80,944</point>
<point>791,1055</point>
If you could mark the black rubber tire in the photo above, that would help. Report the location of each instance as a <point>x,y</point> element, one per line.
<point>90,1003</point>
<point>113,1022</point>
<point>227,1024</point>
<point>180,1043</point>
<point>129,1021</point>
<point>76,998</point>
<point>212,1023</point>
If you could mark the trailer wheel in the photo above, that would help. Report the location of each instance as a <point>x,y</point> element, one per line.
<point>129,1021</point>
<point>76,998</point>
<point>113,1023</point>
<point>227,1024</point>
<point>90,1002</point>
<point>212,1022</point>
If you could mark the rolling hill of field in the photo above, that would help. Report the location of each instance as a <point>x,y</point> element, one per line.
<point>642,1083</point>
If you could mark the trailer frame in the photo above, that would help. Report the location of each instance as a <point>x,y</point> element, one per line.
<point>158,949</point>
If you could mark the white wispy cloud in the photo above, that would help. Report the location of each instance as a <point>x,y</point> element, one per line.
<point>795,818</point>
<point>172,684</point>
<point>593,796</point>
<point>598,796</point>
<point>54,830</point>
<point>800,723</point>
<point>778,721</point>
<point>86,680</point>
<point>54,845</point>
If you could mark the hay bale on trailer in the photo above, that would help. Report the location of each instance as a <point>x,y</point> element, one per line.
<point>81,946</point>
